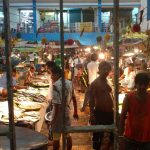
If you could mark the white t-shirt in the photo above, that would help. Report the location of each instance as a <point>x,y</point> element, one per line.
<point>31,57</point>
<point>71,62</point>
<point>128,81</point>
<point>76,62</point>
<point>92,70</point>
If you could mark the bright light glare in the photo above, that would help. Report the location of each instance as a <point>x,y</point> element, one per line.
<point>95,47</point>
<point>50,13</point>
<point>101,56</point>
<point>136,50</point>
<point>1,15</point>
<point>88,49</point>
<point>128,54</point>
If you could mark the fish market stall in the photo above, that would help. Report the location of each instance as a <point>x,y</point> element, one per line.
<point>29,106</point>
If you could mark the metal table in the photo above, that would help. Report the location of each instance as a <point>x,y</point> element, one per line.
<point>26,139</point>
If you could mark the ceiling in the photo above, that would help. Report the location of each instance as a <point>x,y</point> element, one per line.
<point>72,1</point>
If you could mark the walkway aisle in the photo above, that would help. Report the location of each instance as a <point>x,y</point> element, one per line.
<point>81,141</point>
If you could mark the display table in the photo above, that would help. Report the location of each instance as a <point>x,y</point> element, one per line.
<point>26,139</point>
<point>27,113</point>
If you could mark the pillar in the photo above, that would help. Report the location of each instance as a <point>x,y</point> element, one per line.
<point>34,17</point>
<point>99,15</point>
<point>148,9</point>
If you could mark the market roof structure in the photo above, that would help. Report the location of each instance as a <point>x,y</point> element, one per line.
<point>72,4</point>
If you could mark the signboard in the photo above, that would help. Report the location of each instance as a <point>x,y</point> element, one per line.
<point>87,26</point>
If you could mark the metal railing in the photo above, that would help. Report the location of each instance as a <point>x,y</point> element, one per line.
<point>68,28</point>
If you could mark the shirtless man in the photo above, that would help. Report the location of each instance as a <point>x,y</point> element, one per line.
<point>101,103</point>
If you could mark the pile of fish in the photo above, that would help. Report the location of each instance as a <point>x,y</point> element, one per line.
<point>22,96</point>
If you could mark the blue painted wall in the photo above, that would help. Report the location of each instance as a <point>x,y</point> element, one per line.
<point>86,39</point>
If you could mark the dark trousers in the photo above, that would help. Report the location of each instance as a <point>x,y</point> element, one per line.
<point>102,118</point>
<point>134,145</point>
<point>72,73</point>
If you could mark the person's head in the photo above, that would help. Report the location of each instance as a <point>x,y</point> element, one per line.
<point>32,69</point>
<point>104,69</point>
<point>131,67</point>
<point>50,65</point>
<point>142,80</point>
<point>55,73</point>
<point>94,57</point>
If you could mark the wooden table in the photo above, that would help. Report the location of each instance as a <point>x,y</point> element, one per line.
<point>26,139</point>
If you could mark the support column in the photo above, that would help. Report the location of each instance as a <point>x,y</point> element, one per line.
<point>148,9</point>
<point>81,15</point>
<point>12,134</point>
<point>116,67</point>
<point>99,15</point>
<point>34,16</point>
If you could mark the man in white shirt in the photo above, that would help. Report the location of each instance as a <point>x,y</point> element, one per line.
<point>92,68</point>
<point>71,65</point>
<point>31,57</point>
<point>127,79</point>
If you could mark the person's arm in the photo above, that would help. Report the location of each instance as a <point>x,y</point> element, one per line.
<point>54,113</point>
<point>91,104</point>
<point>122,77</point>
<point>17,87</point>
<point>91,100</point>
<point>3,92</point>
<point>123,115</point>
<point>56,102</point>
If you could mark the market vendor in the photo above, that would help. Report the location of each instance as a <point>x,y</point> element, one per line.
<point>31,74</point>
<point>3,83</point>
<point>3,79</point>
<point>127,78</point>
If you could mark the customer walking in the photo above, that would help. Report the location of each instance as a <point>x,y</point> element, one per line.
<point>101,103</point>
<point>57,122</point>
<point>135,115</point>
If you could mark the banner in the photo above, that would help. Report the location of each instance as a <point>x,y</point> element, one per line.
<point>87,26</point>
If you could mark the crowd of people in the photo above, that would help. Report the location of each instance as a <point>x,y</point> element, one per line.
<point>92,77</point>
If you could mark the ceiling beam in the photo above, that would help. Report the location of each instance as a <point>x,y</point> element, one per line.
<point>72,5</point>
